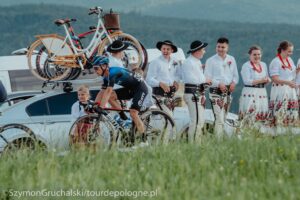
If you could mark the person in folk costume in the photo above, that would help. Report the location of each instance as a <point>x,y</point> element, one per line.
<point>163,73</point>
<point>283,99</point>
<point>254,99</point>
<point>222,70</point>
<point>194,85</point>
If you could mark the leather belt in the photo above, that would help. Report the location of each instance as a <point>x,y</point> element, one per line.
<point>160,92</point>
<point>193,88</point>
<point>216,90</point>
<point>261,85</point>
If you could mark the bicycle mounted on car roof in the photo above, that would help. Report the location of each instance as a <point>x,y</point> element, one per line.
<point>53,57</point>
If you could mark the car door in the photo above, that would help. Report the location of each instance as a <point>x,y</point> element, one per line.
<point>51,118</point>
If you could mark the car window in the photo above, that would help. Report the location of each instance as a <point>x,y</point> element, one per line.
<point>56,105</point>
<point>38,108</point>
<point>61,104</point>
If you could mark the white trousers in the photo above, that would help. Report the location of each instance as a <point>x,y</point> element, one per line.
<point>196,123</point>
<point>220,108</point>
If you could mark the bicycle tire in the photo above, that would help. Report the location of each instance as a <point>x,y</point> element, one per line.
<point>29,141</point>
<point>159,127</point>
<point>134,45</point>
<point>37,58</point>
<point>145,58</point>
<point>75,73</point>
<point>99,132</point>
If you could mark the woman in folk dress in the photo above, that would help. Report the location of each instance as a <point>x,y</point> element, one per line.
<point>283,99</point>
<point>254,98</point>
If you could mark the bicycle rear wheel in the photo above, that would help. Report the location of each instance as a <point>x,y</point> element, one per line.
<point>135,55</point>
<point>159,127</point>
<point>40,58</point>
<point>90,129</point>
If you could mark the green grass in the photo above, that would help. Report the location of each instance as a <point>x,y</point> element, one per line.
<point>251,168</point>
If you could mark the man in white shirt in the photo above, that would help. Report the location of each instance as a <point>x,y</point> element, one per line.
<point>222,70</point>
<point>194,85</point>
<point>162,73</point>
<point>116,50</point>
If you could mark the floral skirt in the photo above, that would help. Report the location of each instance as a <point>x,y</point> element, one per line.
<point>283,105</point>
<point>253,104</point>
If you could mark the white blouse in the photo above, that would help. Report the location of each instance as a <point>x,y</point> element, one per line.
<point>249,74</point>
<point>221,71</point>
<point>192,71</point>
<point>276,69</point>
<point>162,70</point>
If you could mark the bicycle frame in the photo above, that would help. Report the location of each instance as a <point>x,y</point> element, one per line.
<point>94,43</point>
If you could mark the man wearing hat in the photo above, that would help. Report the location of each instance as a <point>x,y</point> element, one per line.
<point>194,83</point>
<point>222,70</point>
<point>162,73</point>
<point>116,50</point>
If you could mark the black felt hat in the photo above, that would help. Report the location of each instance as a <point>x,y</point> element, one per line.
<point>196,45</point>
<point>117,46</point>
<point>166,42</point>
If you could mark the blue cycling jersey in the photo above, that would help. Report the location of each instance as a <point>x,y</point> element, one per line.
<point>122,76</point>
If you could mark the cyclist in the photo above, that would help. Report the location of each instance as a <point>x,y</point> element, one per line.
<point>133,84</point>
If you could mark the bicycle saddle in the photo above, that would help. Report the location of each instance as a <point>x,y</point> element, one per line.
<point>60,22</point>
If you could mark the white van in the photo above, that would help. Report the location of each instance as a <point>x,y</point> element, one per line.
<point>15,74</point>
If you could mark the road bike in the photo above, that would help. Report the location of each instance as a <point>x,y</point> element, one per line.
<point>102,129</point>
<point>52,57</point>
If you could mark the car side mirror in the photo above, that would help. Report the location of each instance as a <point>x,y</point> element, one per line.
<point>3,93</point>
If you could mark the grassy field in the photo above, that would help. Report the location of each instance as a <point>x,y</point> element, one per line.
<point>251,168</point>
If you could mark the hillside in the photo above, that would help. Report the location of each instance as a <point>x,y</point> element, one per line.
<point>258,11</point>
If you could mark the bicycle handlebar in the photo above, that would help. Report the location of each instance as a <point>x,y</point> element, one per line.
<point>95,10</point>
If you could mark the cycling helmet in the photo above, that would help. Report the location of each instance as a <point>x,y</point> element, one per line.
<point>100,60</point>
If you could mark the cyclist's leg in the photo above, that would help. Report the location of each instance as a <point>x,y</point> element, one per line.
<point>134,114</point>
<point>113,100</point>
<point>139,96</point>
<point>120,94</point>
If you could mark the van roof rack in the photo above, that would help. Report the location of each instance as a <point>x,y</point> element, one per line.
<point>67,85</point>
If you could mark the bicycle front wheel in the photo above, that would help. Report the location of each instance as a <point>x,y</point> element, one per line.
<point>135,55</point>
<point>159,127</point>
<point>41,55</point>
<point>90,129</point>
<point>24,137</point>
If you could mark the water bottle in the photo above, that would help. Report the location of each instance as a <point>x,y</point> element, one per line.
<point>127,123</point>
<point>118,119</point>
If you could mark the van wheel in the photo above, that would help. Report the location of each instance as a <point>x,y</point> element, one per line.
<point>3,93</point>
